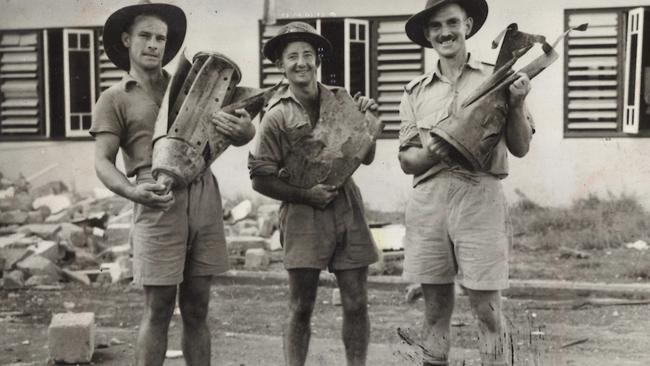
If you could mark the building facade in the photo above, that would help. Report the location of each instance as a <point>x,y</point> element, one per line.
<point>591,107</point>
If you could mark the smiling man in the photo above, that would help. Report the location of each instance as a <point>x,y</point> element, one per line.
<point>321,226</point>
<point>456,219</point>
<point>177,238</point>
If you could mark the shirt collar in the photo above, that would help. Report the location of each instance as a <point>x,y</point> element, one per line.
<point>285,93</point>
<point>129,81</point>
<point>472,63</point>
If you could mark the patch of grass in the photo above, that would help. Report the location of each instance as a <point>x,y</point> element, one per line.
<point>589,223</point>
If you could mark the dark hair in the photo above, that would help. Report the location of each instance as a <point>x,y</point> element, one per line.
<point>129,26</point>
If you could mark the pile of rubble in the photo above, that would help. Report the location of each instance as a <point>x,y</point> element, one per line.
<point>50,235</point>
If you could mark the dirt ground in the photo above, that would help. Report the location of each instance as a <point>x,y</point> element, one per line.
<point>246,325</point>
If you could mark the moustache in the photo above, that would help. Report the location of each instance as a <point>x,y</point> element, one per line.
<point>443,39</point>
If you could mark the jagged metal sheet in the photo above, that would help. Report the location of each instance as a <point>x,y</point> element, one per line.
<point>335,147</point>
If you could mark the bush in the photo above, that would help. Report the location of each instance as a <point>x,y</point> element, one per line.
<point>589,223</point>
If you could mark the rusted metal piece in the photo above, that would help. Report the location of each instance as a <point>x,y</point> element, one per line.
<point>185,140</point>
<point>471,133</point>
<point>336,146</point>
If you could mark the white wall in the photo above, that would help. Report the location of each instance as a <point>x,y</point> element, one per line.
<point>555,172</point>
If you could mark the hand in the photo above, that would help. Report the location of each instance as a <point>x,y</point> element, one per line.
<point>518,90</point>
<point>238,129</point>
<point>320,195</point>
<point>365,103</point>
<point>438,148</point>
<point>149,194</point>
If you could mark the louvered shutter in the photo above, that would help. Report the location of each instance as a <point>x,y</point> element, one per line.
<point>20,87</point>
<point>633,70</point>
<point>109,74</point>
<point>398,61</point>
<point>592,65</point>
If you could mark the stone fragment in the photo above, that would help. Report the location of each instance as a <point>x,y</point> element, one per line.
<point>76,276</point>
<point>241,211</point>
<point>41,280</point>
<point>13,217</point>
<point>336,297</point>
<point>43,231</point>
<point>55,202</point>
<point>13,280</point>
<point>71,337</point>
<point>47,249</point>
<point>35,265</point>
<point>238,245</point>
<point>257,259</point>
<point>73,234</point>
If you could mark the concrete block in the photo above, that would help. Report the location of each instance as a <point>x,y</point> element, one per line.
<point>336,297</point>
<point>9,241</point>
<point>389,237</point>
<point>24,201</point>
<point>238,245</point>
<point>36,265</point>
<point>41,280</point>
<point>76,276</point>
<point>266,226</point>
<point>43,231</point>
<point>241,211</point>
<point>73,234</point>
<point>13,280</point>
<point>13,217</point>
<point>47,249</point>
<point>117,233</point>
<point>120,270</point>
<point>12,256</point>
<point>71,337</point>
<point>257,259</point>
<point>84,259</point>
<point>55,202</point>
<point>35,217</point>
<point>249,231</point>
<point>54,187</point>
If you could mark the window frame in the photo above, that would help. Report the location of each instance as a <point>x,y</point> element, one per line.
<point>621,52</point>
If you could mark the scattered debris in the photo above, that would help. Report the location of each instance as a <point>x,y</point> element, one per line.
<point>638,245</point>
<point>336,297</point>
<point>574,343</point>
<point>566,253</point>
<point>173,353</point>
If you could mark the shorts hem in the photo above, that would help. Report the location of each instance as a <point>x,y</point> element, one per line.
<point>427,279</point>
<point>485,285</point>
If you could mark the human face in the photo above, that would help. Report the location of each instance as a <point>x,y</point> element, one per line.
<point>447,29</point>
<point>299,63</point>
<point>146,42</point>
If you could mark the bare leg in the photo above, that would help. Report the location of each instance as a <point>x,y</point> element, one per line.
<point>438,308</point>
<point>194,297</point>
<point>152,336</point>
<point>486,306</point>
<point>303,287</point>
<point>356,325</point>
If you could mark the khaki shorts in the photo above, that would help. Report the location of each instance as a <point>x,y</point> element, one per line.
<point>186,240</point>
<point>457,227</point>
<point>337,238</point>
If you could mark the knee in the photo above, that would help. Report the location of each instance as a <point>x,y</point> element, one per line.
<point>355,305</point>
<point>194,312</point>
<point>159,308</point>
<point>301,309</point>
<point>488,317</point>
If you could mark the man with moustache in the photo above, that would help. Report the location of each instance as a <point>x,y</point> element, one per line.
<point>321,226</point>
<point>456,220</point>
<point>178,237</point>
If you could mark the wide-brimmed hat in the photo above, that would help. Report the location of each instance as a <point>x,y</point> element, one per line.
<point>122,18</point>
<point>476,9</point>
<point>295,31</point>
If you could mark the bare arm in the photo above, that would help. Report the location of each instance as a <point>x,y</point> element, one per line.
<point>518,129</point>
<point>318,196</point>
<point>106,148</point>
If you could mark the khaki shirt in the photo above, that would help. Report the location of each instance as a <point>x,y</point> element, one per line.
<point>129,112</point>
<point>430,98</point>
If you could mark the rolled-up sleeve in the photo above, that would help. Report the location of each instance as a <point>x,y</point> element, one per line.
<point>408,130</point>
<point>106,117</point>
<point>266,157</point>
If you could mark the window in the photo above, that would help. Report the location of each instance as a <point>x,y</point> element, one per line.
<point>607,83</point>
<point>383,77</point>
<point>50,80</point>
